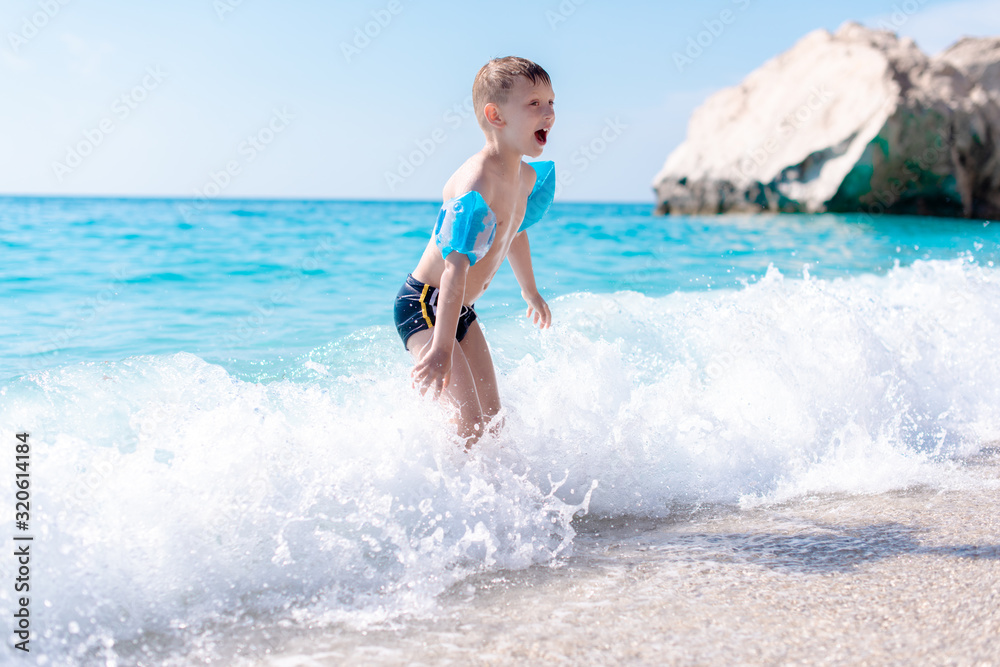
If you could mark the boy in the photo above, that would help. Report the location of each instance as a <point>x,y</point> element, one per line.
<point>489,202</point>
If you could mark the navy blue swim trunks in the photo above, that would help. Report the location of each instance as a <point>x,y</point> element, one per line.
<point>416,310</point>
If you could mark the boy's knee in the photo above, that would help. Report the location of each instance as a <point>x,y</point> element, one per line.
<point>496,426</point>
<point>472,433</point>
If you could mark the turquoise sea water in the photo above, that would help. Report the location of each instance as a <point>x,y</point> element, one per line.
<point>236,282</point>
<point>224,438</point>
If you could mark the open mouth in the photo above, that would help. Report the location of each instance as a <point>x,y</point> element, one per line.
<point>542,136</point>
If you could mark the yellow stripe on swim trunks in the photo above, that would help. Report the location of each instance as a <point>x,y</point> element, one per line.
<point>423,305</point>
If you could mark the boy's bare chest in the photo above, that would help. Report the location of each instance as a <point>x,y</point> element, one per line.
<point>509,215</point>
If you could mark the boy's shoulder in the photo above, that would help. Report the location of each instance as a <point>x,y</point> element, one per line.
<point>470,176</point>
<point>474,175</point>
<point>528,175</point>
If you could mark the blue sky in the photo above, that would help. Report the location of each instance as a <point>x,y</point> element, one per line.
<point>368,100</point>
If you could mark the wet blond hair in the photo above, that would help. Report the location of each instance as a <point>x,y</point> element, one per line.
<point>496,79</point>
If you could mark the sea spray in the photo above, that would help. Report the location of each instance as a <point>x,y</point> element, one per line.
<point>174,495</point>
<point>178,495</point>
<point>877,381</point>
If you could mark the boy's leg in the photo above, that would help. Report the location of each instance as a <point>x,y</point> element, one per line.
<point>477,352</point>
<point>461,389</point>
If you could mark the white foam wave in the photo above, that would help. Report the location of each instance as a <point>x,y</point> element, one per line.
<point>784,388</point>
<point>171,494</point>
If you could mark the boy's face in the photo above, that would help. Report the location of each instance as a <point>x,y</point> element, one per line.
<point>529,113</point>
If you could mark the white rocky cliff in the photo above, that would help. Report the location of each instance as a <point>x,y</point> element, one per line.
<point>859,120</point>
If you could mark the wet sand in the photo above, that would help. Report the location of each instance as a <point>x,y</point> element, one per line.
<point>910,577</point>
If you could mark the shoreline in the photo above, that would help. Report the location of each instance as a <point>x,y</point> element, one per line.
<point>906,577</point>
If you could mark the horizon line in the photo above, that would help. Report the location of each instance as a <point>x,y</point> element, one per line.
<point>202,201</point>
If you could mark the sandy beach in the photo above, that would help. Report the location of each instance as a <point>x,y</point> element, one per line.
<point>911,577</point>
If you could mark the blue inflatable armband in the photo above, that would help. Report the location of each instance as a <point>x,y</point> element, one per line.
<point>541,195</point>
<point>466,225</point>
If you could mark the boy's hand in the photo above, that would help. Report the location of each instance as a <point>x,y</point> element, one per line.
<point>538,310</point>
<point>433,371</point>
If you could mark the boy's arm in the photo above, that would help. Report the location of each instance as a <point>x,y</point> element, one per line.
<point>519,257</point>
<point>434,367</point>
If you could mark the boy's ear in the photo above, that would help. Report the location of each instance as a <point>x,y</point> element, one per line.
<point>492,114</point>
